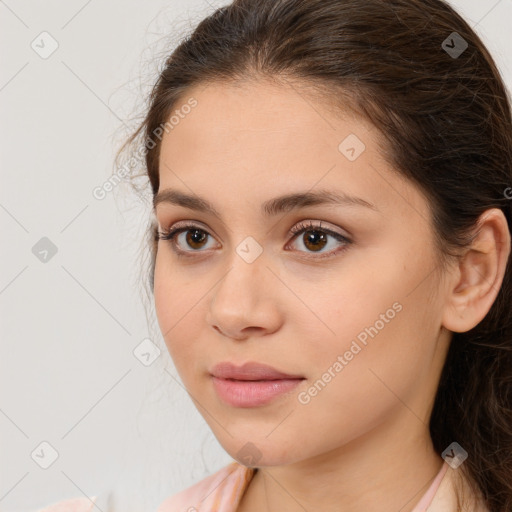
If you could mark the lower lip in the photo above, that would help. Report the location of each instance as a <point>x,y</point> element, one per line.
<point>252,393</point>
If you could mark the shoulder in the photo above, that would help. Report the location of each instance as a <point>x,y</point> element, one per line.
<point>71,505</point>
<point>220,491</point>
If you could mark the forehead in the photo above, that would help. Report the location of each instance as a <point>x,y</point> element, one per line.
<point>250,137</point>
<point>256,124</point>
<point>266,111</point>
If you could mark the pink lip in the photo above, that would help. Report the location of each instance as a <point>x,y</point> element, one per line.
<point>251,384</point>
<point>249,371</point>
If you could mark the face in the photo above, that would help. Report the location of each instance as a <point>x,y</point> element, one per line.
<point>340,293</point>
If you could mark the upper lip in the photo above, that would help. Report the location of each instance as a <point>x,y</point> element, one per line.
<point>249,371</point>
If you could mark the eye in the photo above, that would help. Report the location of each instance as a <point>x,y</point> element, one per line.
<point>185,235</point>
<point>315,238</point>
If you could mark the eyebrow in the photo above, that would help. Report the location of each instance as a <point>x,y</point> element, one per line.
<point>269,208</point>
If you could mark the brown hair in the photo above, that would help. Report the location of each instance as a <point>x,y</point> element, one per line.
<point>447,122</point>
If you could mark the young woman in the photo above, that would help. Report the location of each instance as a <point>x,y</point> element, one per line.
<point>331,182</point>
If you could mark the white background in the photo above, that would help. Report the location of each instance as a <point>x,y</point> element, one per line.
<point>125,432</point>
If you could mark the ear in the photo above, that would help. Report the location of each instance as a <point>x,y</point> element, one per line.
<point>478,275</point>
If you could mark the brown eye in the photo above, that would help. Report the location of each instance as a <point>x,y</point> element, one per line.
<point>195,238</point>
<point>186,239</point>
<point>314,240</point>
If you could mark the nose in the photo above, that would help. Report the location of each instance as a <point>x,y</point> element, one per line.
<point>246,303</point>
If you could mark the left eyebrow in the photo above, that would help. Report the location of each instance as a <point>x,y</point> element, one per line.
<point>269,208</point>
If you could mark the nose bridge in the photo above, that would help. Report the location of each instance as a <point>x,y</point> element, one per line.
<point>243,278</point>
<point>242,298</point>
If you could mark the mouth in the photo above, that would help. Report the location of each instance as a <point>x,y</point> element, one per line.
<point>250,371</point>
<point>252,384</point>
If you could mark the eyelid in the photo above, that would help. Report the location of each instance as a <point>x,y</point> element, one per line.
<point>188,224</point>
<point>311,225</point>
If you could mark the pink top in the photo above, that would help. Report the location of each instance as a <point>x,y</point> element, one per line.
<point>220,492</point>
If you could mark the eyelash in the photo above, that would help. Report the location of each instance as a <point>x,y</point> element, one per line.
<point>170,236</point>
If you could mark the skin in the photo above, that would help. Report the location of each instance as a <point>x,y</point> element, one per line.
<point>362,443</point>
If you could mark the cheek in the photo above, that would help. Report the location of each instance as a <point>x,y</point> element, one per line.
<point>349,306</point>
<point>167,306</point>
<point>375,317</point>
<point>172,292</point>
<point>179,309</point>
<point>382,360</point>
<point>353,385</point>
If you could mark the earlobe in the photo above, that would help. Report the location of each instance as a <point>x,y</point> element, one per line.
<point>479,274</point>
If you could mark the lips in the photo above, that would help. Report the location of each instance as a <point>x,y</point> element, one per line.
<point>252,384</point>
<point>250,371</point>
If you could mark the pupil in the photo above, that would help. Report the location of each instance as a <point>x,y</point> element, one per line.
<point>316,238</point>
<point>197,236</point>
